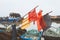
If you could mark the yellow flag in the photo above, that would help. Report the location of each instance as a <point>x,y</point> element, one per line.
<point>25,23</point>
<point>25,26</point>
<point>24,20</point>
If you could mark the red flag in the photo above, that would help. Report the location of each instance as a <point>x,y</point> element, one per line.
<point>32,15</point>
<point>40,21</point>
<point>43,23</point>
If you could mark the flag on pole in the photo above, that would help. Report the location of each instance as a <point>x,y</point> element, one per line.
<point>25,23</point>
<point>32,16</point>
<point>40,21</point>
<point>48,21</point>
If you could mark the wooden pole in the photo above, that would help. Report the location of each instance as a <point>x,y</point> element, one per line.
<point>29,11</point>
<point>14,32</point>
<point>48,13</point>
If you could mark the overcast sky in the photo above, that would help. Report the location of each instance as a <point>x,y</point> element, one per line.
<point>24,6</point>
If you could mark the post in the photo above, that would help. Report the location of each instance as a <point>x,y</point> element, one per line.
<point>14,32</point>
<point>30,10</point>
